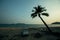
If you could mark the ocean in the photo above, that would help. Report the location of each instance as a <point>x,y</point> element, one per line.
<point>27,25</point>
<point>53,27</point>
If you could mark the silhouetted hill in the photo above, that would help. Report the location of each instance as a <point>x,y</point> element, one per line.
<point>56,23</point>
<point>11,25</point>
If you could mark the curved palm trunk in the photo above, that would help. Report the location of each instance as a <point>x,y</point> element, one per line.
<point>44,23</point>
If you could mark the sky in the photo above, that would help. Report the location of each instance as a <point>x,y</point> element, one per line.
<point>19,11</point>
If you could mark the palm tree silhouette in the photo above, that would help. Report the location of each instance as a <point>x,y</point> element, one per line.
<point>38,12</point>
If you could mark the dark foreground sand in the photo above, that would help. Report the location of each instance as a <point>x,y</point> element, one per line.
<point>15,34</point>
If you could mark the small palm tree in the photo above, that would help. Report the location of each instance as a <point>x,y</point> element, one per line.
<point>38,12</point>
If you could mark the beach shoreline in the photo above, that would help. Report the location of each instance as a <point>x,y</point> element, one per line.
<point>14,34</point>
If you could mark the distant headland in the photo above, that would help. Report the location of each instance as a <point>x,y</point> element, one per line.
<point>56,23</point>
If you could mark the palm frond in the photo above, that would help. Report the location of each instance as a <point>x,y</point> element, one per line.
<point>35,8</point>
<point>39,7</point>
<point>45,14</point>
<point>38,10</point>
<point>33,15</point>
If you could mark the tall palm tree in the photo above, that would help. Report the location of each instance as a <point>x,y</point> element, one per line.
<point>38,12</point>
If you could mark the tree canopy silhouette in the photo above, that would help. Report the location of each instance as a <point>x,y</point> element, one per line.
<point>38,12</point>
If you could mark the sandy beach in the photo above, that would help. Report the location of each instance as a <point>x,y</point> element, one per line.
<point>15,34</point>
